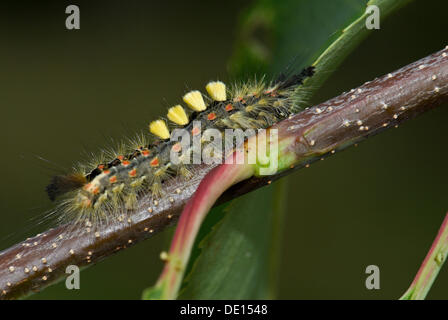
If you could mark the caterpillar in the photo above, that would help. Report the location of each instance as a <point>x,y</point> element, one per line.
<point>113,184</point>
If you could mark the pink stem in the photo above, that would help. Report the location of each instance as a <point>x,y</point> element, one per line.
<point>431,265</point>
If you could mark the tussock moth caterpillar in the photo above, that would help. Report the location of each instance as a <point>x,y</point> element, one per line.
<point>113,184</point>
<point>39,261</point>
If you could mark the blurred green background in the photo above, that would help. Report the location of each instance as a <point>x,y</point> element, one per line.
<point>64,93</point>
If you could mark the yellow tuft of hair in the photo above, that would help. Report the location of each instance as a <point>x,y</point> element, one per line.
<point>195,101</point>
<point>160,129</point>
<point>177,115</point>
<point>216,90</point>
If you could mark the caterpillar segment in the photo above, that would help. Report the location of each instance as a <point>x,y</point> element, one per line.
<point>117,184</point>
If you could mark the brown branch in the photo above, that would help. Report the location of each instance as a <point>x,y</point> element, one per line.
<point>319,131</point>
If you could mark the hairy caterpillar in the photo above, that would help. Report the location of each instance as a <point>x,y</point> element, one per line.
<point>332,125</point>
<point>118,179</point>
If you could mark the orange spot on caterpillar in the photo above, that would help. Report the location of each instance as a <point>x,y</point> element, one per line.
<point>154,162</point>
<point>113,179</point>
<point>125,163</point>
<point>229,107</point>
<point>195,131</point>
<point>211,116</point>
<point>146,152</point>
<point>133,173</point>
<point>176,147</point>
<point>100,166</point>
<point>120,158</point>
<point>106,171</point>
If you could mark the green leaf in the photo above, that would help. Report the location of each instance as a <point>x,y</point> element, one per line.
<point>229,266</point>
<point>153,293</point>
<point>431,266</point>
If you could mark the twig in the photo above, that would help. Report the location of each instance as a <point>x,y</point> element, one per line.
<point>314,133</point>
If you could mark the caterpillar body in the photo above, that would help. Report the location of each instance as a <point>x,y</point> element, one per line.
<point>119,179</point>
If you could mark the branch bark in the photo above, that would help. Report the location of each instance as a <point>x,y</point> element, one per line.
<point>314,133</point>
